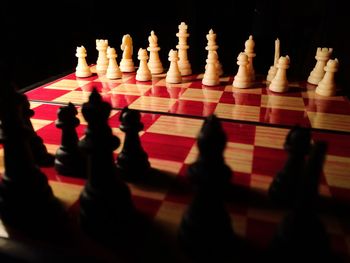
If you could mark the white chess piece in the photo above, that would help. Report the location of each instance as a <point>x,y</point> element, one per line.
<point>322,56</point>
<point>280,82</point>
<point>127,64</point>
<point>327,86</point>
<point>113,70</point>
<point>82,70</point>
<point>154,63</point>
<point>249,50</point>
<point>173,75</point>
<point>102,60</point>
<point>242,79</point>
<point>143,73</point>
<point>273,69</point>
<point>184,64</point>
<point>211,75</point>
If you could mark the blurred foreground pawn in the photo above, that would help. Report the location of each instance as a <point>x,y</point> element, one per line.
<point>143,73</point>
<point>301,234</point>
<point>68,157</point>
<point>26,199</point>
<point>280,82</point>
<point>132,161</point>
<point>41,156</point>
<point>322,56</point>
<point>106,208</point>
<point>327,86</point>
<point>283,188</point>
<point>113,70</point>
<point>82,70</point>
<point>205,230</point>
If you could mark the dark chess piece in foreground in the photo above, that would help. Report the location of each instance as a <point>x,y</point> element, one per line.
<point>106,208</point>
<point>301,235</point>
<point>69,160</point>
<point>132,161</point>
<point>205,231</point>
<point>283,188</point>
<point>41,156</point>
<point>26,199</point>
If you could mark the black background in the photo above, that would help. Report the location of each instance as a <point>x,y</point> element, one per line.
<point>39,39</point>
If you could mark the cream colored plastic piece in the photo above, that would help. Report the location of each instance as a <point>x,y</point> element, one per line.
<point>280,82</point>
<point>273,69</point>
<point>154,63</point>
<point>184,64</point>
<point>127,64</point>
<point>173,75</point>
<point>327,86</point>
<point>242,79</point>
<point>113,70</point>
<point>82,70</point>
<point>322,56</point>
<point>211,75</point>
<point>143,73</point>
<point>249,50</point>
<point>102,60</point>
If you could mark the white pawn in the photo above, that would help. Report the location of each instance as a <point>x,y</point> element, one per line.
<point>173,75</point>
<point>280,82</point>
<point>127,64</point>
<point>82,70</point>
<point>102,60</point>
<point>273,69</point>
<point>327,87</point>
<point>143,73</point>
<point>184,64</point>
<point>113,70</point>
<point>322,56</point>
<point>154,63</point>
<point>249,50</point>
<point>242,79</point>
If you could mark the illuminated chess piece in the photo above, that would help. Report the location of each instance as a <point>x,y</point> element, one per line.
<point>249,50</point>
<point>280,82</point>
<point>184,64</point>
<point>154,63</point>
<point>113,70</point>
<point>327,86</point>
<point>102,60</point>
<point>218,65</point>
<point>127,64</point>
<point>143,73</point>
<point>242,79</point>
<point>82,70</point>
<point>273,69</point>
<point>173,75</point>
<point>211,75</point>
<point>322,56</point>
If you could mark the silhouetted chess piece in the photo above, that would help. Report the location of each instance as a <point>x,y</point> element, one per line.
<point>106,207</point>
<point>68,160</point>
<point>26,199</point>
<point>205,231</point>
<point>283,188</point>
<point>301,234</point>
<point>132,161</point>
<point>41,156</point>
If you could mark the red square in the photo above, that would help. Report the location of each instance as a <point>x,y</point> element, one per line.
<point>147,206</point>
<point>260,232</point>
<point>338,144</point>
<point>120,100</point>
<point>239,133</point>
<point>165,92</point>
<point>46,112</point>
<point>268,161</point>
<point>327,106</point>
<point>241,98</point>
<point>193,108</point>
<point>43,94</point>
<point>284,117</point>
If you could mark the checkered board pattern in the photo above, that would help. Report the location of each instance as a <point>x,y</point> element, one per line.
<point>254,153</point>
<point>301,105</point>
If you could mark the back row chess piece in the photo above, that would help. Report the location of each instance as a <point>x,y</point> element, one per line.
<point>322,56</point>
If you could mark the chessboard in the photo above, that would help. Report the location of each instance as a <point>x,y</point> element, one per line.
<point>256,122</point>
